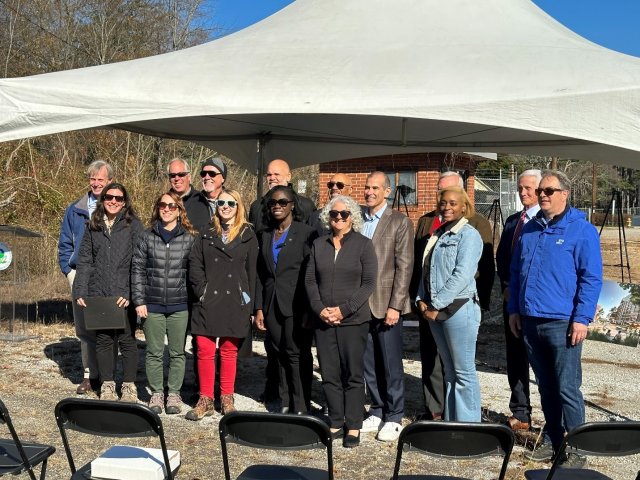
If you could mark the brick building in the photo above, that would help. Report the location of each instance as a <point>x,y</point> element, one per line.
<point>417,171</point>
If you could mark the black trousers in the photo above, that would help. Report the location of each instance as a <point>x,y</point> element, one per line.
<point>341,356</point>
<point>107,340</point>
<point>433,386</point>
<point>291,347</point>
<point>517,372</point>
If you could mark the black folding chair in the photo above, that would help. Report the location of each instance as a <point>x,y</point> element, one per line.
<point>108,419</point>
<point>603,439</point>
<point>276,431</point>
<point>17,457</point>
<point>454,440</point>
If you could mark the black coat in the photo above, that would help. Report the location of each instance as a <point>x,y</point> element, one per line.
<point>346,282</point>
<point>218,275</point>
<point>104,261</point>
<point>159,270</point>
<point>198,210</point>
<point>284,282</point>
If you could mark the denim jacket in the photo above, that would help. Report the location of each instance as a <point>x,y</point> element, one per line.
<point>454,262</point>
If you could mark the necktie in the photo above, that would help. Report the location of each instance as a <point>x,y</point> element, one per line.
<point>518,230</point>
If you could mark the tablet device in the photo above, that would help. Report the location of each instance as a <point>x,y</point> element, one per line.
<point>103,313</point>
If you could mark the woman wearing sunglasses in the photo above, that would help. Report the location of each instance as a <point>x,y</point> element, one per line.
<point>159,292</point>
<point>222,273</point>
<point>104,270</point>
<point>281,301</point>
<point>339,280</point>
<point>448,300</point>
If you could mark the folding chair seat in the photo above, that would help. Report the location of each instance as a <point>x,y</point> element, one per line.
<point>16,456</point>
<point>454,440</point>
<point>603,439</point>
<point>109,419</point>
<point>275,431</point>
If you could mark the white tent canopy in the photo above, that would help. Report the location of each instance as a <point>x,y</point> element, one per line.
<point>334,79</point>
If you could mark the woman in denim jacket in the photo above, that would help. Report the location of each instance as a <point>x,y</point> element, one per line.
<point>447,299</point>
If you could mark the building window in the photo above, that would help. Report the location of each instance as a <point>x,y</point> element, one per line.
<point>403,188</point>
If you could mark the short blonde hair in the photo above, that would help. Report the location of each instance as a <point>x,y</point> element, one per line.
<point>470,211</point>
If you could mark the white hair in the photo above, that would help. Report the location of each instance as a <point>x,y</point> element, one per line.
<point>177,159</point>
<point>451,174</point>
<point>351,205</point>
<point>532,172</point>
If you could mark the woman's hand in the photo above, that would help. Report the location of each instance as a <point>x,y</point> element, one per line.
<point>80,301</point>
<point>122,302</point>
<point>142,311</point>
<point>329,316</point>
<point>426,312</point>
<point>259,320</point>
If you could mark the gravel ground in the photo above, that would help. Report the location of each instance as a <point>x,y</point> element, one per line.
<point>36,373</point>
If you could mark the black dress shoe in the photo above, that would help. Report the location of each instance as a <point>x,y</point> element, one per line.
<point>351,441</point>
<point>337,434</point>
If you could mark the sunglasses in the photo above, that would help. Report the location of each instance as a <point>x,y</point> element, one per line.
<point>548,191</point>
<point>178,174</point>
<point>340,185</point>
<point>230,203</point>
<point>117,198</point>
<point>282,202</point>
<point>170,206</point>
<point>344,214</point>
<point>211,173</point>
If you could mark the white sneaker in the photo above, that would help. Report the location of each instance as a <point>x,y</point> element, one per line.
<point>389,432</point>
<point>371,424</point>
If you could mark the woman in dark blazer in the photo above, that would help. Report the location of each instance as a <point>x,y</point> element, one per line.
<point>222,273</point>
<point>104,270</point>
<point>339,280</point>
<point>281,301</point>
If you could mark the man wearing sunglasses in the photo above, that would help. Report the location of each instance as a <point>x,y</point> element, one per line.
<point>278,173</point>
<point>433,385</point>
<point>392,235</point>
<point>76,216</point>
<point>339,184</point>
<point>554,285</point>
<point>517,362</point>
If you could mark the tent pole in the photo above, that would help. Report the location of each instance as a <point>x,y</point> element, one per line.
<point>262,141</point>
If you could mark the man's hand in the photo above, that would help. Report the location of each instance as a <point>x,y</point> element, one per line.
<point>505,294</point>
<point>392,317</point>
<point>142,311</point>
<point>259,320</point>
<point>81,302</point>
<point>515,325</point>
<point>577,332</point>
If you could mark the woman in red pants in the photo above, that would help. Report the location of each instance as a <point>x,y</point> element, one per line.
<point>222,273</point>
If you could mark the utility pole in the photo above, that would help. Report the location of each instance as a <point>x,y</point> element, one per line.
<point>554,163</point>
<point>594,187</point>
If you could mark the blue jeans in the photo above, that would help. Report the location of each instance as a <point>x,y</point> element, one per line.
<point>456,340</point>
<point>558,371</point>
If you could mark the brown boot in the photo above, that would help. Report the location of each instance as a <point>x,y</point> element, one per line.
<point>226,404</point>
<point>204,408</point>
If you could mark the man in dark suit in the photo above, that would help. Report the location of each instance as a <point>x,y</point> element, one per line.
<point>432,375</point>
<point>517,361</point>
<point>392,236</point>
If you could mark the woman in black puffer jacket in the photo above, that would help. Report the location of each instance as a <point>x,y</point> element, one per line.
<point>159,292</point>
<point>104,270</point>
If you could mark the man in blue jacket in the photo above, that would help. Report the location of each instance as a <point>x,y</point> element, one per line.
<point>556,278</point>
<point>517,361</point>
<point>75,218</point>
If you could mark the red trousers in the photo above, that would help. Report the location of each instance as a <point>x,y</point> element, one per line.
<point>207,364</point>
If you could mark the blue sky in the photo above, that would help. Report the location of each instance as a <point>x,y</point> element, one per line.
<point>611,23</point>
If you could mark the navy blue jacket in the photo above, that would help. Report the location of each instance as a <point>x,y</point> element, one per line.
<point>74,221</point>
<point>503,253</point>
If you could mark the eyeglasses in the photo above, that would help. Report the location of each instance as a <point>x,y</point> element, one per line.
<point>117,198</point>
<point>230,203</point>
<point>548,191</point>
<point>211,173</point>
<point>178,174</point>
<point>282,202</point>
<point>170,206</point>
<point>344,214</point>
<point>340,185</point>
